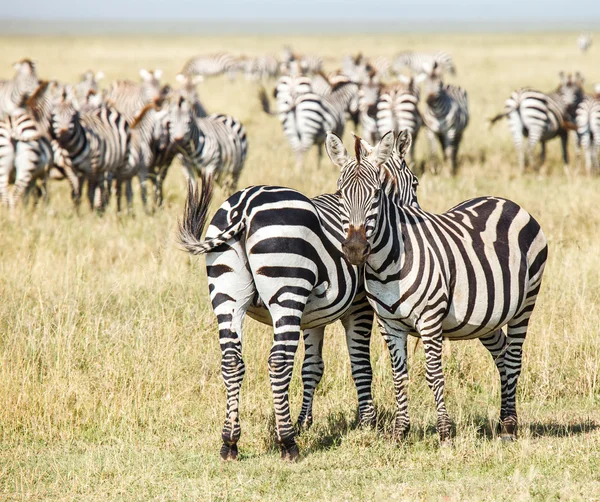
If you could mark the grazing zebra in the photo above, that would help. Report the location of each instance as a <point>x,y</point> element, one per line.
<point>277,255</point>
<point>459,275</point>
<point>305,115</point>
<point>13,92</point>
<point>96,143</point>
<point>150,154</point>
<point>584,42</point>
<point>588,130</point>
<point>419,62</point>
<point>214,147</point>
<point>446,115</point>
<point>212,65</point>
<point>190,92</point>
<point>128,98</point>
<point>540,117</point>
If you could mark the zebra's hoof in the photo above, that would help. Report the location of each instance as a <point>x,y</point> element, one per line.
<point>506,437</point>
<point>303,424</point>
<point>229,452</point>
<point>289,450</point>
<point>367,421</point>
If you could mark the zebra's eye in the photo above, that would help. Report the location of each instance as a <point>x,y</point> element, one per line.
<point>338,193</point>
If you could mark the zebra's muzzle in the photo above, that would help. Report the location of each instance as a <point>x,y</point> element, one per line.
<point>356,247</point>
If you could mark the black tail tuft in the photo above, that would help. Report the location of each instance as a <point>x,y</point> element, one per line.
<point>264,101</point>
<point>498,117</point>
<point>195,214</point>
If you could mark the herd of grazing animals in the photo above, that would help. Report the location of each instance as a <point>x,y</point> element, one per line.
<point>366,252</point>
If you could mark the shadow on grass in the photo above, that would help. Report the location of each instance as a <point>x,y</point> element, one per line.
<point>490,429</point>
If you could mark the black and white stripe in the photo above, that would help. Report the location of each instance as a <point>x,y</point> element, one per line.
<point>588,131</point>
<point>22,85</point>
<point>277,255</point>
<point>540,117</point>
<point>459,275</point>
<point>423,62</point>
<point>128,98</point>
<point>211,65</point>
<point>189,91</point>
<point>446,115</point>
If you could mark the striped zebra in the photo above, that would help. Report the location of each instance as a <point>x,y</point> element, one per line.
<point>446,115</point>
<point>261,67</point>
<point>309,63</point>
<point>190,92</point>
<point>211,65</point>
<point>276,255</point>
<point>128,98</point>
<point>420,62</point>
<point>305,115</point>
<point>214,147</point>
<point>14,91</point>
<point>96,143</point>
<point>588,130</point>
<point>341,91</point>
<point>88,85</point>
<point>25,155</point>
<point>584,42</point>
<point>540,117</point>
<point>459,275</point>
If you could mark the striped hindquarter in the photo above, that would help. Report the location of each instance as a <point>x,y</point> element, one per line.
<point>588,132</point>
<point>463,274</point>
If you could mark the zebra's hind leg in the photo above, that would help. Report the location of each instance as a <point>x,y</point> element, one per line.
<point>286,325</point>
<point>312,372</point>
<point>358,325</point>
<point>495,343</point>
<point>397,344</point>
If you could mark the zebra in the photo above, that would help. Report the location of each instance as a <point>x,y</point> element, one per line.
<point>305,115</point>
<point>459,275</point>
<point>128,98</point>
<point>261,67</point>
<point>189,90</point>
<point>588,130</point>
<point>542,116</point>
<point>341,91</point>
<point>584,42</point>
<point>23,84</point>
<point>87,86</point>
<point>446,115</point>
<point>309,63</point>
<point>275,254</point>
<point>419,62</point>
<point>211,65</point>
<point>215,146</point>
<point>97,144</point>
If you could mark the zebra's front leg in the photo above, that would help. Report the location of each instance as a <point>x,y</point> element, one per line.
<point>495,343</point>
<point>432,152</point>
<point>359,325</point>
<point>118,193</point>
<point>281,365</point>
<point>397,343</point>
<point>312,372</point>
<point>432,343</point>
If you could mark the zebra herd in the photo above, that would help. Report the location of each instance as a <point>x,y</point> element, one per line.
<point>300,264</point>
<point>309,106</point>
<point>106,138</point>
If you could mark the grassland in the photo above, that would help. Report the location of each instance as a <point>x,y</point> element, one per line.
<point>110,384</point>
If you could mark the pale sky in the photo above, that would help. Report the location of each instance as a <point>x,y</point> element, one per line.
<point>522,11</point>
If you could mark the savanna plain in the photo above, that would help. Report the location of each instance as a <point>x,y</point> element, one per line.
<point>110,384</point>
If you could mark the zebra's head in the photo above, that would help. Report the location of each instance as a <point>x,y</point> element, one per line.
<point>179,120</point>
<point>64,117</point>
<point>26,76</point>
<point>433,81</point>
<point>151,84</point>
<point>363,182</point>
<point>571,91</point>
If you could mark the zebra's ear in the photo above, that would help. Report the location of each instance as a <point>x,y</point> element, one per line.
<point>99,76</point>
<point>383,150</point>
<point>145,74</point>
<point>180,78</point>
<point>336,150</point>
<point>158,74</point>
<point>403,142</point>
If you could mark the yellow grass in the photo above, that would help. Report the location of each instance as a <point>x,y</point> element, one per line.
<point>110,385</point>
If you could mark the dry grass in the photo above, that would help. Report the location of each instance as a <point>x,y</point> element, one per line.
<point>110,384</point>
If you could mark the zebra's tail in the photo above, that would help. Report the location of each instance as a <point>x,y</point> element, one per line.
<point>498,117</point>
<point>195,214</point>
<point>264,101</point>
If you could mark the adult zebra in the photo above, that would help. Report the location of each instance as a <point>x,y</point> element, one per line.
<point>97,143</point>
<point>128,98</point>
<point>341,91</point>
<point>275,254</point>
<point>305,115</point>
<point>215,146</point>
<point>88,84</point>
<point>14,91</point>
<point>211,65</point>
<point>460,275</point>
<point>419,62</point>
<point>190,92</point>
<point>446,115</point>
<point>588,130</point>
<point>540,117</point>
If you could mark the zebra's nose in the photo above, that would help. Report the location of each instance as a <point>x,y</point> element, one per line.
<point>356,247</point>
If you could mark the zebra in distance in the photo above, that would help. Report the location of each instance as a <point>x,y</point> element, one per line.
<point>310,64</point>
<point>211,65</point>
<point>340,90</point>
<point>542,116</point>
<point>97,144</point>
<point>423,62</point>
<point>584,42</point>
<point>214,147</point>
<point>88,85</point>
<point>446,115</point>
<point>460,275</point>
<point>14,91</point>
<point>189,90</point>
<point>128,98</point>
<point>261,67</point>
<point>276,255</point>
<point>588,130</point>
<point>305,115</point>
